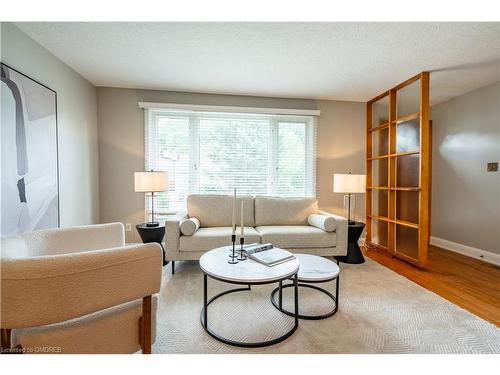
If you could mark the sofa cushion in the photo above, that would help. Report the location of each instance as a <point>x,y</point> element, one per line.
<point>284,211</point>
<point>189,226</point>
<point>296,236</point>
<point>217,210</point>
<point>327,223</point>
<point>209,238</point>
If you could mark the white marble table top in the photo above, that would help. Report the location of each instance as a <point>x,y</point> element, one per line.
<point>316,268</point>
<point>214,263</point>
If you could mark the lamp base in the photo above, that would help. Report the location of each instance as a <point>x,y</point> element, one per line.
<point>350,208</point>
<point>152,224</point>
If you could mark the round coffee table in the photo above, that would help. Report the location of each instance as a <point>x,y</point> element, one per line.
<point>313,270</point>
<point>249,272</point>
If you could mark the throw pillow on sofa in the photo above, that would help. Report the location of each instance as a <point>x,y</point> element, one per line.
<point>189,226</point>
<point>327,223</point>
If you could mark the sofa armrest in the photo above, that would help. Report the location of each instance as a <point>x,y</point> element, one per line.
<point>342,231</point>
<point>172,234</point>
<point>44,290</point>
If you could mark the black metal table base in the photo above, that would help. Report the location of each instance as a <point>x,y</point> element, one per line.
<point>335,298</point>
<point>243,344</point>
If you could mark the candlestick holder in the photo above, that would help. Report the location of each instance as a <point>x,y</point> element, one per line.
<point>242,255</point>
<point>233,256</point>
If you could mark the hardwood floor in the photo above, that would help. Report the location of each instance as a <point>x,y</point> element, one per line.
<point>469,283</point>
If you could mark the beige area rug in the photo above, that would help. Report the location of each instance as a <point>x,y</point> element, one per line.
<point>379,312</point>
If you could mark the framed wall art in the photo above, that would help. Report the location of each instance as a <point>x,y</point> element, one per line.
<point>30,184</point>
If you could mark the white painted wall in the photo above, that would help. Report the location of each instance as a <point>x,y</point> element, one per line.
<point>341,149</point>
<point>77,123</point>
<point>341,144</point>
<point>465,197</point>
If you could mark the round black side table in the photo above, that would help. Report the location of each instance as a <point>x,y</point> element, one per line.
<point>152,234</point>
<point>354,254</point>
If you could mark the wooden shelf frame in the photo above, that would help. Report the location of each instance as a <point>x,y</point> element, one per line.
<point>394,221</point>
<point>393,188</point>
<point>390,169</point>
<point>379,157</point>
<point>380,127</point>
<point>405,118</point>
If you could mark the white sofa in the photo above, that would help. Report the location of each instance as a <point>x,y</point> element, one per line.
<point>285,222</point>
<point>79,290</point>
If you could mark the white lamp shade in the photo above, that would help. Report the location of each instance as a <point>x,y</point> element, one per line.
<point>349,183</point>
<point>153,181</point>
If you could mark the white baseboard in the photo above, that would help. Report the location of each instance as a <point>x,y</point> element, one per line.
<point>472,252</point>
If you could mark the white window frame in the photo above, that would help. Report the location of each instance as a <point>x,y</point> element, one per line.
<point>275,116</point>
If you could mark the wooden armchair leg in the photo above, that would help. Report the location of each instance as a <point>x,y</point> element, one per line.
<point>5,340</point>
<point>146,325</point>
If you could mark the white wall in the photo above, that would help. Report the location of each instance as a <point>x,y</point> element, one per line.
<point>341,143</point>
<point>77,123</point>
<point>465,197</point>
<point>341,149</point>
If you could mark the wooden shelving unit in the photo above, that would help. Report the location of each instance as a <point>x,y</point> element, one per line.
<point>398,170</point>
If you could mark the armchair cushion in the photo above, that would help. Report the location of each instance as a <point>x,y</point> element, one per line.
<point>189,226</point>
<point>327,223</point>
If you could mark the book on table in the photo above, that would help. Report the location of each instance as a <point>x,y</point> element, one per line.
<point>257,247</point>
<point>268,255</point>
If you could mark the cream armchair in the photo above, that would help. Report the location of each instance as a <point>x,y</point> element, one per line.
<point>78,290</point>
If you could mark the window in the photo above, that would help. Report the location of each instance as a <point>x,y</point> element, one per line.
<point>214,152</point>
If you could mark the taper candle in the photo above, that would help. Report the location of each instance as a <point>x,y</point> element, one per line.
<point>234,212</point>
<point>242,226</point>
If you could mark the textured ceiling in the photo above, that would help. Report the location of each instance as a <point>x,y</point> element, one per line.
<point>342,61</point>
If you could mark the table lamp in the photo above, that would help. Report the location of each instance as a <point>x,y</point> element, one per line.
<point>349,183</point>
<point>151,182</point>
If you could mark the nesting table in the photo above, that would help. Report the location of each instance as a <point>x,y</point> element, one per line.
<point>306,269</point>
<point>249,272</point>
<point>313,270</point>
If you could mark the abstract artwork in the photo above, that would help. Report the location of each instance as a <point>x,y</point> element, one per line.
<point>30,191</point>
